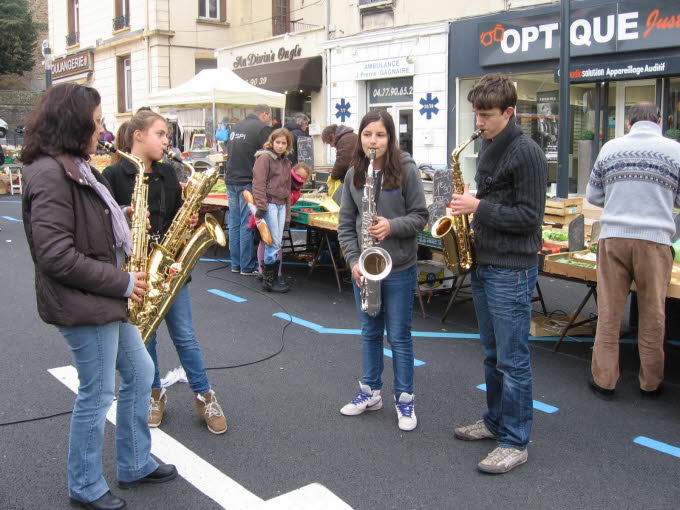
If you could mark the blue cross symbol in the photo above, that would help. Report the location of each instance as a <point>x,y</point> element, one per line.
<point>343,110</point>
<point>429,105</point>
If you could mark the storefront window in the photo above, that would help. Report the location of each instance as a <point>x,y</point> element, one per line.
<point>674,104</point>
<point>395,96</point>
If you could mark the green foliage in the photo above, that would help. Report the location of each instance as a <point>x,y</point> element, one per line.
<point>587,135</point>
<point>673,133</point>
<point>17,37</point>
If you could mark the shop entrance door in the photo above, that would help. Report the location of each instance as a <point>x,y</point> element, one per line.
<point>403,123</point>
<point>627,94</point>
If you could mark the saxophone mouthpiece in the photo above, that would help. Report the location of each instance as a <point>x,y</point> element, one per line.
<point>108,146</point>
<point>171,155</point>
<point>371,154</point>
<point>476,134</point>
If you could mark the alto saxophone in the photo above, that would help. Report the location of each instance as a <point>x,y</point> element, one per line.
<point>454,231</point>
<point>140,238</point>
<point>374,262</point>
<point>171,262</point>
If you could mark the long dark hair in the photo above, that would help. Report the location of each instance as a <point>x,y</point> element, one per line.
<point>393,168</point>
<point>140,121</point>
<point>62,123</point>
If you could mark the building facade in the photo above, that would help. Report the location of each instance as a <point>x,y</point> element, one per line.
<point>621,53</point>
<point>128,49</point>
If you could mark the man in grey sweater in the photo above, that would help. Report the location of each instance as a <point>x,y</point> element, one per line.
<point>508,212</point>
<point>636,179</point>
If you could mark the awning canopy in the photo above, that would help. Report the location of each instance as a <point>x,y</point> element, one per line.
<point>297,74</point>
<point>216,87</point>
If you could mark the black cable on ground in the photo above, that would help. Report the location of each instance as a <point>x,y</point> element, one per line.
<point>283,333</point>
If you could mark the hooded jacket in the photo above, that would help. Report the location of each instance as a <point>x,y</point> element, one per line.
<point>271,180</point>
<point>345,145</point>
<point>404,208</point>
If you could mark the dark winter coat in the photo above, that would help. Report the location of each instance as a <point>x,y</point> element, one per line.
<point>345,148</point>
<point>70,236</point>
<point>246,138</point>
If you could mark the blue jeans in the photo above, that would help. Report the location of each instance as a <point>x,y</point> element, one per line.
<point>241,248</point>
<point>502,299</point>
<point>98,351</point>
<point>181,329</point>
<point>395,317</point>
<point>276,220</point>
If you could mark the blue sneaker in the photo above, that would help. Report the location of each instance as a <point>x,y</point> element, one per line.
<point>405,411</point>
<point>366,400</point>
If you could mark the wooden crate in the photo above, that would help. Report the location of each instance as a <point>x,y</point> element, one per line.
<point>559,220</point>
<point>563,206</point>
<point>554,264</point>
<point>327,220</point>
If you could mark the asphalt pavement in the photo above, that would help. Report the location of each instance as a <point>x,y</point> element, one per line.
<point>285,429</point>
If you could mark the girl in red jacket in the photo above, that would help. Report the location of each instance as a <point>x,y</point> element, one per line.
<point>271,191</point>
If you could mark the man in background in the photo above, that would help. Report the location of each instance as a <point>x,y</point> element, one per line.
<point>297,127</point>
<point>245,139</point>
<point>636,180</point>
<point>344,139</point>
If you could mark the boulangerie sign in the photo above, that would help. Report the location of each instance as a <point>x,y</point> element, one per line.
<point>616,27</point>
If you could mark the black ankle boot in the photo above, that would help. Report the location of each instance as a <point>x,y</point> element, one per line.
<point>268,277</point>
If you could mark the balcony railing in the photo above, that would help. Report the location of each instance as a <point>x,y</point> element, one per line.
<point>296,26</point>
<point>72,39</point>
<point>120,22</point>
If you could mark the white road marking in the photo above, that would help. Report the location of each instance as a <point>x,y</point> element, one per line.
<point>211,481</point>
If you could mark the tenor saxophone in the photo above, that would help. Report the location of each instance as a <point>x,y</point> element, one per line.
<point>140,238</point>
<point>170,263</point>
<point>454,231</point>
<point>375,263</point>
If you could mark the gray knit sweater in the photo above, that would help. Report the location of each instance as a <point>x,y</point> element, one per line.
<point>636,179</point>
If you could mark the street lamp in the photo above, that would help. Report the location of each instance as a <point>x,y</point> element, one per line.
<point>47,55</point>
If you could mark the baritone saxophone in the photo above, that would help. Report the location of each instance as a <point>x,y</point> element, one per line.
<point>140,238</point>
<point>454,231</point>
<point>170,263</point>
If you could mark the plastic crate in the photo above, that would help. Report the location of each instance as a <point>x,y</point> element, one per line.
<point>424,238</point>
<point>296,214</point>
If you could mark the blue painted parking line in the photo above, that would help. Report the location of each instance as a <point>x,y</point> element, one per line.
<point>416,362</point>
<point>215,260</point>
<point>658,446</point>
<point>12,219</point>
<point>320,329</point>
<point>226,295</point>
<point>546,408</point>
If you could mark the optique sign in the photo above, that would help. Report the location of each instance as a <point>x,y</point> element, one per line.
<point>610,28</point>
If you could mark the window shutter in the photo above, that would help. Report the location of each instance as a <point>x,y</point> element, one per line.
<point>120,85</point>
<point>223,10</point>
<point>70,15</point>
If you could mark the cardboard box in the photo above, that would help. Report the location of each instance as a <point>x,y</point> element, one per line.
<point>553,326</point>
<point>431,274</point>
<point>563,211</point>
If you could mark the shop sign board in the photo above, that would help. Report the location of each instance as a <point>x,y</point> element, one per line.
<point>388,68</point>
<point>283,54</point>
<point>395,90</point>
<point>77,63</point>
<point>617,27</point>
<point>639,68</point>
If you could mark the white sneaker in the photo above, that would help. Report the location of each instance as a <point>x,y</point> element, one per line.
<point>501,460</point>
<point>366,400</point>
<point>406,412</point>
